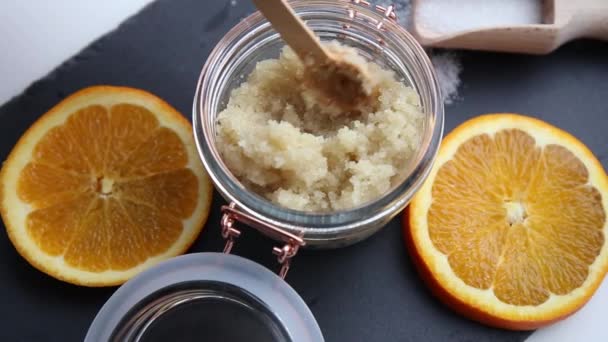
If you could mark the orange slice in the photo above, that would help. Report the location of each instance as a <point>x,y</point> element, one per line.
<point>510,227</point>
<point>104,185</point>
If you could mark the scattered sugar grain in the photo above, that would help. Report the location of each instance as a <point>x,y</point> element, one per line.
<point>446,63</point>
<point>447,69</point>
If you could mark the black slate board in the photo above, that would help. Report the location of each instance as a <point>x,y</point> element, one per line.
<point>367,292</point>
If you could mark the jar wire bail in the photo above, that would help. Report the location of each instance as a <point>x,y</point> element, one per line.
<point>292,242</point>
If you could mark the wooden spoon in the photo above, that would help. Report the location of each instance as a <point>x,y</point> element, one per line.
<point>341,82</point>
<point>562,21</point>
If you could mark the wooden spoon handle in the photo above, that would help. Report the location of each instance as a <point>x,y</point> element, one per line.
<point>292,29</point>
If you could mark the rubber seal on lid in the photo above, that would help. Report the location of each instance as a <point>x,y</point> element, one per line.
<point>203,295</point>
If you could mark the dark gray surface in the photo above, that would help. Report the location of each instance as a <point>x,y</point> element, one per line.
<point>367,292</point>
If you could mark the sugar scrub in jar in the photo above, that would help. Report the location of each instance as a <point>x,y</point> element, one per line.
<point>280,155</point>
<point>282,140</point>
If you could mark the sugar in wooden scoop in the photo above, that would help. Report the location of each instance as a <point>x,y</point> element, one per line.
<point>444,17</point>
<point>516,26</point>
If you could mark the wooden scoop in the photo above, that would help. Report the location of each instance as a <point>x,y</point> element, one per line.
<point>562,21</point>
<point>339,81</point>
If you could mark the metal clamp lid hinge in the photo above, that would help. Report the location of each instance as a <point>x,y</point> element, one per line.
<point>292,242</point>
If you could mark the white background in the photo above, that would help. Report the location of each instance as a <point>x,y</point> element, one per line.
<point>37,35</point>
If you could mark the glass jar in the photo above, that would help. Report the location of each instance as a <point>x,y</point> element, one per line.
<point>371,30</point>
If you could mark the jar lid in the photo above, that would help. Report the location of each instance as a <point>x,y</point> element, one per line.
<point>210,296</point>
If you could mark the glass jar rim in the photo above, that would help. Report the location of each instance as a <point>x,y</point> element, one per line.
<point>123,313</point>
<point>303,221</point>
